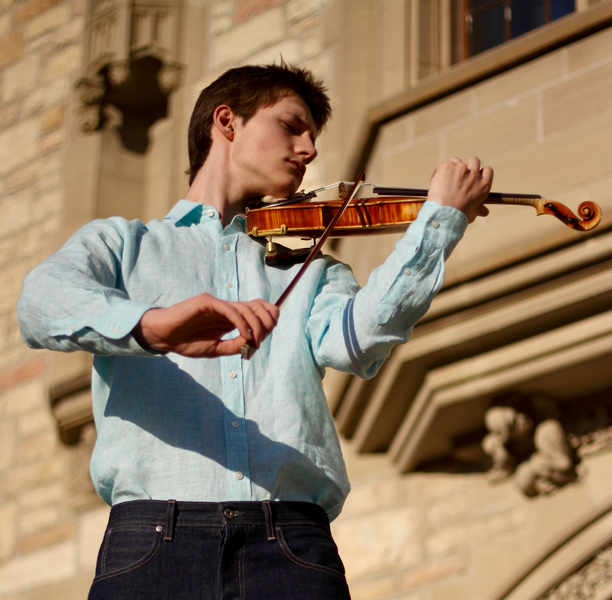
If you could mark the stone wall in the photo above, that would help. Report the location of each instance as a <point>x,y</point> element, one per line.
<point>46,541</point>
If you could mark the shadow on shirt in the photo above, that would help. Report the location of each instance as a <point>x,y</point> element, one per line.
<point>164,401</point>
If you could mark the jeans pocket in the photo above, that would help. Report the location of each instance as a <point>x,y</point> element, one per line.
<point>126,548</point>
<point>311,547</point>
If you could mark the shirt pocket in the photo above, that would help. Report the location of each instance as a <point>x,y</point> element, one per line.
<point>126,548</point>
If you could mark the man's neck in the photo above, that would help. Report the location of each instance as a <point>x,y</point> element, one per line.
<point>213,186</point>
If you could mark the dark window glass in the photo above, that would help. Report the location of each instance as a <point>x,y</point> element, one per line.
<point>484,24</point>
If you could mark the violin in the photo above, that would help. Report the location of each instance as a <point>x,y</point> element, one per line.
<point>384,210</point>
<point>381,209</point>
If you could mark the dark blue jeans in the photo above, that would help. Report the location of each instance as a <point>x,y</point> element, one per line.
<point>155,550</point>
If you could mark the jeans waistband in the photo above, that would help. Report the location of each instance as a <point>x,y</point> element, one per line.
<point>176,514</point>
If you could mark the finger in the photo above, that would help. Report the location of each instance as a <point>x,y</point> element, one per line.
<point>456,160</point>
<point>487,175</point>
<point>267,313</point>
<point>473,164</point>
<point>230,347</point>
<point>256,327</point>
<point>483,211</point>
<point>234,316</point>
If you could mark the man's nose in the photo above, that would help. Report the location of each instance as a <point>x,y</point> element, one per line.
<point>307,149</point>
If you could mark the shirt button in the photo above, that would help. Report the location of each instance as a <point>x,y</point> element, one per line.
<point>228,284</point>
<point>235,424</point>
<point>210,212</point>
<point>406,271</point>
<point>116,330</point>
<point>232,375</point>
<point>72,327</point>
<point>226,246</point>
<point>239,475</point>
<point>435,224</point>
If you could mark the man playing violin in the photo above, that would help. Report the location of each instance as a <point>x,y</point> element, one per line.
<point>223,474</point>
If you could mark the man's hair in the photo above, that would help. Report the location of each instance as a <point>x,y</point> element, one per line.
<point>245,90</point>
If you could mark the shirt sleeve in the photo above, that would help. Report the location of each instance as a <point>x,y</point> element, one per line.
<point>75,300</point>
<point>353,329</point>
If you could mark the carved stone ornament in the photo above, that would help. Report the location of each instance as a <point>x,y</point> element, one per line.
<point>587,581</point>
<point>118,72</point>
<point>534,447</point>
<point>170,77</point>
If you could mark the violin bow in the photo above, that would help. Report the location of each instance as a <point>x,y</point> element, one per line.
<point>590,213</point>
<point>247,350</point>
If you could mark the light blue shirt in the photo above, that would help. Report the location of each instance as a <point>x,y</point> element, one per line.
<point>223,429</point>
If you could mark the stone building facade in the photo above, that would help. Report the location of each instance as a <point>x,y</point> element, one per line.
<point>479,456</point>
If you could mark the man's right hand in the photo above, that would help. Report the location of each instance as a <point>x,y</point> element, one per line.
<point>194,328</point>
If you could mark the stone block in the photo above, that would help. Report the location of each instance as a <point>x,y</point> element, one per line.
<point>52,141</point>
<point>24,399</point>
<point>491,134</point>
<point>51,565</point>
<point>7,443</point>
<point>442,114</point>
<point>414,164</point>
<point>10,48</point>
<point>47,537</point>
<point>18,144</point>
<point>311,44</point>
<point>577,99</point>
<point>42,496</point>
<point>48,20</point>
<point>589,51</point>
<point>447,509</point>
<point>450,539</point>
<point>245,39</point>
<point>39,519</point>
<point>8,539</point>
<point>44,167</point>
<point>372,589</point>
<point>222,8</point>
<point>22,479</point>
<point>15,212</point>
<point>70,32</point>
<point>32,9</point>
<point>246,9</point>
<point>221,24</point>
<point>371,496</point>
<point>434,572</point>
<point>5,24</point>
<point>48,204</point>
<point>46,184</point>
<point>52,226</point>
<point>298,9</point>
<point>578,153</point>
<point>8,115</point>
<point>12,277</point>
<point>520,81</point>
<point>64,62</point>
<point>91,532</point>
<point>37,447</point>
<point>378,542</point>
<point>288,50</point>
<point>36,422</point>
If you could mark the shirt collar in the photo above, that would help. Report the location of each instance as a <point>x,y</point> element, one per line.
<point>198,212</point>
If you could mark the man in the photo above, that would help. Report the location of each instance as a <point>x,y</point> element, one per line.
<point>223,474</point>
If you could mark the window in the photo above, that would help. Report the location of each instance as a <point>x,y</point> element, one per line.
<point>484,24</point>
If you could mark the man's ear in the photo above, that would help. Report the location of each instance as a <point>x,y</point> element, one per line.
<point>224,120</point>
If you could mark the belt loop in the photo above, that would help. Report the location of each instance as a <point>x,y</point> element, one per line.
<point>170,514</point>
<point>269,522</point>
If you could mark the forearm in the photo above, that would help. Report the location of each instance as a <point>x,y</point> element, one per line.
<point>356,334</point>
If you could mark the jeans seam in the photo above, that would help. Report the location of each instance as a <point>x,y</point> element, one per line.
<point>287,551</point>
<point>131,567</point>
